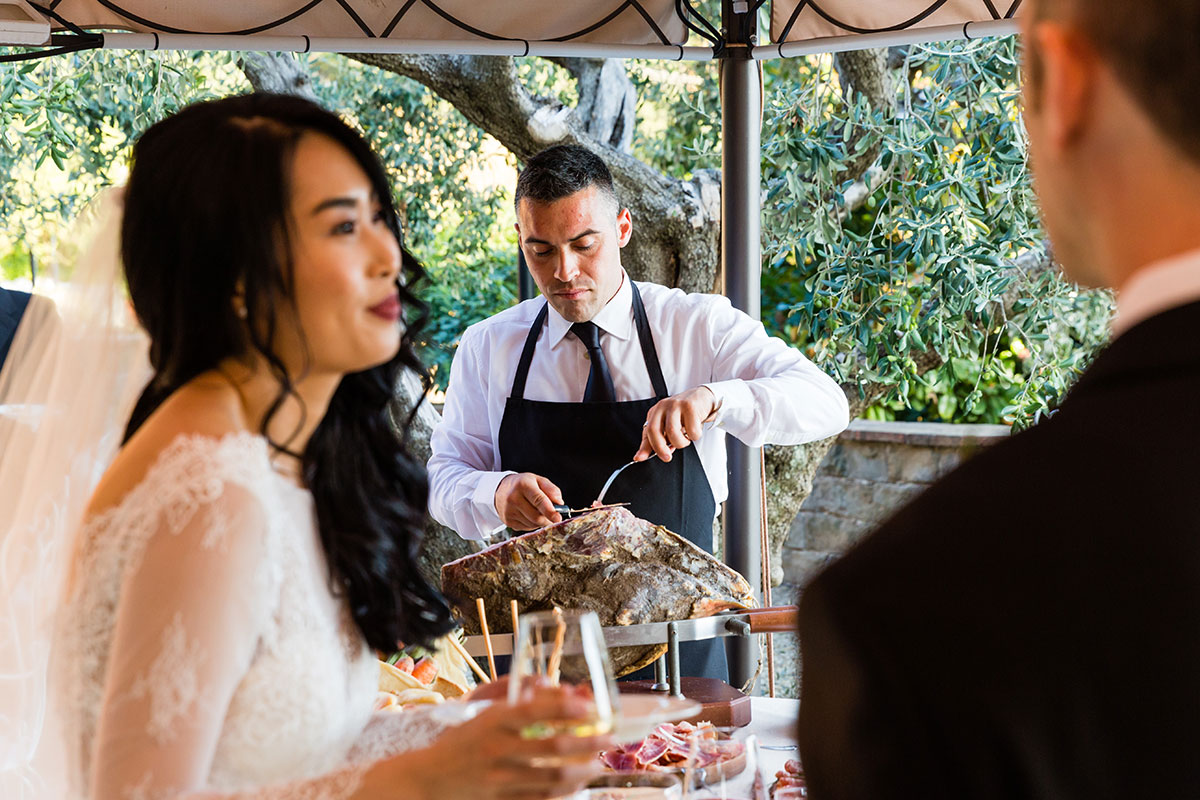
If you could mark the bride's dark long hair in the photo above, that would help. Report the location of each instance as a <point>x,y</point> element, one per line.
<point>206,218</point>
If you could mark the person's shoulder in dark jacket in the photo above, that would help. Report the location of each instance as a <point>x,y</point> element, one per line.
<point>12,308</point>
<point>984,641</point>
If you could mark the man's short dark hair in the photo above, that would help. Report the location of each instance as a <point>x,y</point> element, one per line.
<point>561,171</point>
<point>1151,46</point>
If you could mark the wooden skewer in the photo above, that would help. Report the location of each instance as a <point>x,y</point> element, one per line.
<point>487,638</point>
<point>537,649</point>
<point>512,604</point>
<point>560,632</point>
<point>765,549</point>
<point>462,651</point>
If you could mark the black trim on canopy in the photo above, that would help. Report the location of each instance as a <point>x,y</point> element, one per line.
<point>308,6</point>
<point>60,44</point>
<point>357,19</point>
<point>916,19</point>
<point>685,15</point>
<point>685,11</point>
<point>435,8</point>
<point>163,28</point>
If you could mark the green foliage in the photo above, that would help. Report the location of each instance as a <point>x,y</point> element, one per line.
<point>916,269</point>
<point>925,264</point>
<point>65,127</point>
<point>679,116</point>
<point>15,263</point>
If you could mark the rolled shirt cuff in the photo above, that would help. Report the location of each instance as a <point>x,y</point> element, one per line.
<point>731,396</point>
<point>484,500</point>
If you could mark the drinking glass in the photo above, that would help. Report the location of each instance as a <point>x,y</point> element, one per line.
<point>565,648</point>
<point>740,778</point>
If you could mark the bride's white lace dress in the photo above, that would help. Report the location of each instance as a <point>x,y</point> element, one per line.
<point>203,649</point>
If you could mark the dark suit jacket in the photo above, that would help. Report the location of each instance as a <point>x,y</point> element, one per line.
<point>1030,626</point>
<point>12,306</point>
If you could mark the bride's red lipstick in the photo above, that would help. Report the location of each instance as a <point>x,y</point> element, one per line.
<point>389,309</point>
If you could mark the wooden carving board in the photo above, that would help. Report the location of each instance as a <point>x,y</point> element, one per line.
<point>722,705</point>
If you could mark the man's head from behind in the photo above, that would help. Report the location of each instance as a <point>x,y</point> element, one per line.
<point>1114,122</point>
<point>571,228</point>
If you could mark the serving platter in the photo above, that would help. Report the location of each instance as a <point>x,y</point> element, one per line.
<point>700,755</point>
<point>718,771</point>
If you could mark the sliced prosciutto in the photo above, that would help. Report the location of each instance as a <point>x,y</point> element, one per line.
<point>673,747</point>
<point>652,750</point>
<point>790,777</point>
<point>619,760</point>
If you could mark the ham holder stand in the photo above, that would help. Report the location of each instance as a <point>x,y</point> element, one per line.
<point>722,705</point>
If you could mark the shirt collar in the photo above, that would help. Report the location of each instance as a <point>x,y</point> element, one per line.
<point>1163,285</point>
<point>615,319</point>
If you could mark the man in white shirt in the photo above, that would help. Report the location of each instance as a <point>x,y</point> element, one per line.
<point>549,397</point>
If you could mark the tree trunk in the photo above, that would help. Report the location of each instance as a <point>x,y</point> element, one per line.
<point>607,99</point>
<point>441,545</point>
<point>277,72</point>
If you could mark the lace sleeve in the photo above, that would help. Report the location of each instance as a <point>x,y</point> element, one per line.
<point>191,614</point>
<point>390,733</point>
<point>186,628</point>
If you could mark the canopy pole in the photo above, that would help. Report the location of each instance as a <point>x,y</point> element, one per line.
<point>526,287</point>
<point>741,260</point>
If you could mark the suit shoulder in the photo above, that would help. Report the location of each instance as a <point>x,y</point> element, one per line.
<point>13,297</point>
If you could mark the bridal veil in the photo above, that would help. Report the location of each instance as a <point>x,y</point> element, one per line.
<point>77,363</point>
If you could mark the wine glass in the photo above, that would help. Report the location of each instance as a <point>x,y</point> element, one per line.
<point>565,648</point>
<point>737,775</point>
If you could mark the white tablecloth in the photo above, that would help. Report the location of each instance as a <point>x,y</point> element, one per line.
<point>773,723</point>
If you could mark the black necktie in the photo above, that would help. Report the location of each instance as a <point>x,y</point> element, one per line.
<point>600,383</point>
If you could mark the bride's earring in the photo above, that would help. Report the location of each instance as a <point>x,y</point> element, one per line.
<point>239,299</point>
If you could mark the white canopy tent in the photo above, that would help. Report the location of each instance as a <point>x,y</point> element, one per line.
<point>603,29</point>
<point>656,29</point>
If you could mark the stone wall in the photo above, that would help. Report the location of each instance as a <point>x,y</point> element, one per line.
<point>874,468</point>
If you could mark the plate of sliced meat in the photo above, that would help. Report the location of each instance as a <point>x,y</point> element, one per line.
<point>699,753</point>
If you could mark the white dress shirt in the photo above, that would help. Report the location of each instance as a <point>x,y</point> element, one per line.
<point>1157,287</point>
<point>767,392</point>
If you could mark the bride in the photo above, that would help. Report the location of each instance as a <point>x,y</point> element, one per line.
<point>255,537</point>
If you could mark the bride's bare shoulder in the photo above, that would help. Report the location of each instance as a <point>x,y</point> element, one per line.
<point>202,407</point>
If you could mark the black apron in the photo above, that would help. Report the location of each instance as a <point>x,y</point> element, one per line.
<point>578,445</point>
